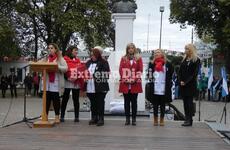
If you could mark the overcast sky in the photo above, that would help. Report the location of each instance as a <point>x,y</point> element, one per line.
<point>172,37</point>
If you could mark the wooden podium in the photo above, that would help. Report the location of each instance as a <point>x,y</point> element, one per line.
<point>44,67</point>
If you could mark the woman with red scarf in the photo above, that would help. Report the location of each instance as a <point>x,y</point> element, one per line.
<point>160,73</point>
<point>72,82</point>
<point>55,80</point>
<point>131,67</point>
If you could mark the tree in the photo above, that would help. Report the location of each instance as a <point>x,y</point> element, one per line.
<point>8,42</point>
<point>210,17</point>
<point>61,21</point>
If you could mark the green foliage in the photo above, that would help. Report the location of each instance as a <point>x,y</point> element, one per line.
<point>211,19</point>
<point>60,21</point>
<point>175,60</point>
<point>9,45</point>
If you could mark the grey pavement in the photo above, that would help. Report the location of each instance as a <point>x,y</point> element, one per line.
<point>12,110</point>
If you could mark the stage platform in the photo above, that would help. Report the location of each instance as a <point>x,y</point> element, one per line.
<point>114,135</point>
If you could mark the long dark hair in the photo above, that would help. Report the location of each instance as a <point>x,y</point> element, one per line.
<point>96,52</point>
<point>69,51</point>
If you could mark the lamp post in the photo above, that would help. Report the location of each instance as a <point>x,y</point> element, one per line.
<point>161,10</point>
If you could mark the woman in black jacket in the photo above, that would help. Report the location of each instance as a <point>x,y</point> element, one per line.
<point>188,81</point>
<point>160,73</point>
<point>97,85</point>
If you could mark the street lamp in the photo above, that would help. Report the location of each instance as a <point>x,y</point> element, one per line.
<point>161,10</point>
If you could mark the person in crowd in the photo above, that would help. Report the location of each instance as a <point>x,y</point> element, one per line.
<point>28,81</point>
<point>202,86</point>
<point>175,80</point>
<point>130,69</point>
<point>55,80</point>
<point>72,82</point>
<point>204,81</point>
<point>211,90</point>
<point>160,72</point>
<point>36,80</point>
<point>97,85</point>
<point>4,85</point>
<point>188,81</point>
<point>12,81</point>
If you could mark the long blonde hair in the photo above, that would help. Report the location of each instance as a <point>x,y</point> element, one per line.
<point>136,53</point>
<point>193,51</point>
<point>162,52</point>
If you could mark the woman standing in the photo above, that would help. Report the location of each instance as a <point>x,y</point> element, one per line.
<point>4,85</point>
<point>188,81</point>
<point>97,85</point>
<point>55,80</point>
<point>130,70</point>
<point>71,83</point>
<point>160,73</point>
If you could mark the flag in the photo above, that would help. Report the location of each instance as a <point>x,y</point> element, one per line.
<point>199,78</point>
<point>173,89</point>
<point>210,77</point>
<point>224,82</point>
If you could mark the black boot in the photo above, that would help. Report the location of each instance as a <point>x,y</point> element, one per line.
<point>133,121</point>
<point>93,121</point>
<point>187,123</point>
<point>76,119</point>
<point>76,114</point>
<point>127,122</point>
<point>100,121</point>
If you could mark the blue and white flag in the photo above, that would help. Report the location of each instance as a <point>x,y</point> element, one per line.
<point>173,89</point>
<point>224,82</point>
<point>210,77</point>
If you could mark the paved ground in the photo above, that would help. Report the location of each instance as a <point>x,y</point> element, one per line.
<point>210,111</point>
<point>114,135</point>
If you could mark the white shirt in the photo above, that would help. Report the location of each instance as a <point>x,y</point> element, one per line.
<point>159,82</point>
<point>90,83</point>
<point>71,85</point>
<point>51,86</point>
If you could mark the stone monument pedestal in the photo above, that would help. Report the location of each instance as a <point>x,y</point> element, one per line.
<point>123,36</point>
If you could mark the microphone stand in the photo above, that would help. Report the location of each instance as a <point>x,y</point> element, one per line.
<point>24,119</point>
<point>224,112</point>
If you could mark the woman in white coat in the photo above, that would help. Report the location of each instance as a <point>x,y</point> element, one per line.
<point>55,80</point>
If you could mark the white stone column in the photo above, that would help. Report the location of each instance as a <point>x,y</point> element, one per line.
<point>123,29</point>
<point>123,36</point>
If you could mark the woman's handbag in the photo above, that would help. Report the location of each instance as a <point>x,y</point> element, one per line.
<point>149,91</point>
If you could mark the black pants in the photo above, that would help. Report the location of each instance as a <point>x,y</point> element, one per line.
<point>159,101</point>
<point>130,98</point>
<point>53,96</point>
<point>188,107</point>
<point>28,89</point>
<point>36,88</point>
<point>3,92</point>
<point>13,90</point>
<point>75,97</point>
<point>97,107</point>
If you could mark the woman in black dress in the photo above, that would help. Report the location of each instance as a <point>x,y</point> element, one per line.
<point>188,81</point>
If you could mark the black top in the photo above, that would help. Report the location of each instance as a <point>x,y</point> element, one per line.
<point>188,74</point>
<point>101,75</point>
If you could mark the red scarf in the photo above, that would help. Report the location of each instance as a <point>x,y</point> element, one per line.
<point>72,63</point>
<point>51,58</point>
<point>159,63</point>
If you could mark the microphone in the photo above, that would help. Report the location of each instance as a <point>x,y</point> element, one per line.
<point>44,53</point>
